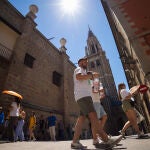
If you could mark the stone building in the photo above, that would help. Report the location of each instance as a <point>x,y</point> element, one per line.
<point>130,25</point>
<point>32,66</point>
<point>98,62</point>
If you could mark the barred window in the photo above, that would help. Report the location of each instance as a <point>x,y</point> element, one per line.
<point>29,60</point>
<point>57,78</point>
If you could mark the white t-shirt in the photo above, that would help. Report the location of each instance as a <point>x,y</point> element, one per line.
<point>82,88</point>
<point>124,93</point>
<point>15,109</point>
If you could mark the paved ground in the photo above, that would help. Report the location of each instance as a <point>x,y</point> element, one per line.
<point>131,143</point>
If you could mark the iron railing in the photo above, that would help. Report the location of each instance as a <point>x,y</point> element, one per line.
<point>5,52</point>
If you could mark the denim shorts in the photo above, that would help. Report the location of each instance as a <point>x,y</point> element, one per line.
<point>99,110</point>
<point>86,105</point>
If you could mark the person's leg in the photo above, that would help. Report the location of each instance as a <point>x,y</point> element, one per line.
<point>21,133</point>
<point>78,128</point>
<point>107,142</point>
<point>96,127</point>
<point>98,112</point>
<point>30,133</point>
<point>17,132</point>
<point>103,120</point>
<point>11,129</point>
<point>33,134</point>
<point>126,106</point>
<point>53,133</point>
<point>103,116</point>
<point>126,126</point>
<point>133,120</point>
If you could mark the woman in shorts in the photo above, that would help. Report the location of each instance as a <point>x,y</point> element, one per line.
<point>125,96</point>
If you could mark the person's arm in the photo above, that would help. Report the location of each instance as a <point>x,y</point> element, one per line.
<point>126,95</point>
<point>84,77</point>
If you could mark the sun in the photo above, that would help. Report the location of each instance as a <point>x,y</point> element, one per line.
<point>69,7</point>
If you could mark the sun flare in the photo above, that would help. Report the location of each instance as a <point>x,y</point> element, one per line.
<point>70,6</point>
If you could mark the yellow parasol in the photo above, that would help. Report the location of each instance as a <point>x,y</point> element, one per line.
<point>12,93</point>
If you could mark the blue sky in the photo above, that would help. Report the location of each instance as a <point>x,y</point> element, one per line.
<point>53,21</point>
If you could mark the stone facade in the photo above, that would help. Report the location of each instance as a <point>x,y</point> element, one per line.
<point>129,23</point>
<point>35,83</point>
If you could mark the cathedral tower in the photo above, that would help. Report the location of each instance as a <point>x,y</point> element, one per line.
<point>98,62</point>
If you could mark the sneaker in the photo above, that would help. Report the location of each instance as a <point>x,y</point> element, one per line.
<point>142,136</point>
<point>123,134</point>
<point>78,145</point>
<point>96,141</point>
<point>102,145</point>
<point>112,141</point>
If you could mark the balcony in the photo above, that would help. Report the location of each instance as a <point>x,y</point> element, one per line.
<point>5,52</point>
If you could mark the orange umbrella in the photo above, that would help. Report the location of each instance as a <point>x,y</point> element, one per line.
<point>12,93</point>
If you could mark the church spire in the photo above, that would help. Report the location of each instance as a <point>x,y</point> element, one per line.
<point>93,45</point>
<point>90,33</point>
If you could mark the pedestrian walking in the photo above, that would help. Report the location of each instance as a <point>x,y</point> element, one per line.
<point>32,125</point>
<point>125,96</point>
<point>51,126</point>
<point>82,92</point>
<point>13,117</point>
<point>97,96</point>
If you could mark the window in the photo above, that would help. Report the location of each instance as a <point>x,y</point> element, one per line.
<point>93,49</point>
<point>92,65</point>
<point>29,60</point>
<point>97,62</point>
<point>97,48</point>
<point>57,78</point>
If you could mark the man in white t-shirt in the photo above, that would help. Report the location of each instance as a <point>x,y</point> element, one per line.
<point>82,92</point>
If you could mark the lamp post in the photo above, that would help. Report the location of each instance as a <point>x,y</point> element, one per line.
<point>65,87</point>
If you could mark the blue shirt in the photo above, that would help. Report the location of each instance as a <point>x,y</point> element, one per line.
<point>1,117</point>
<point>51,121</point>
